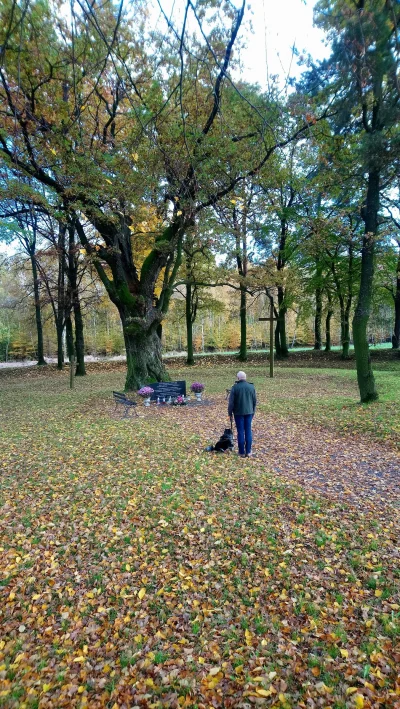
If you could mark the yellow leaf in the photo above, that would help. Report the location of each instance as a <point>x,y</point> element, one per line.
<point>201,660</point>
<point>81,689</point>
<point>127,567</point>
<point>79,659</point>
<point>109,181</point>
<point>351,690</point>
<point>11,596</point>
<point>263,692</point>
<point>46,687</point>
<point>316,671</point>
<point>142,593</point>
<point>282,698</point>
<point>2,644</point>
<point>135,156</point>
<point>214,671</point>
<point>179,212</point>
<point>53,151</point>
<point>233,201</point>
<point>378,592</point>
<point>359,701</point>
<point>344,653</point>
<point>138,638</point>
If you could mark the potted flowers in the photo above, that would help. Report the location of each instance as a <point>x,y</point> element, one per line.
<point>197,388</point>
<point>145,393</point>
<point>179,401</point>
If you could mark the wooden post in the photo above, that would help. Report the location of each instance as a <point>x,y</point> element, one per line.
<point>271,321</point>
<point>72,372</point>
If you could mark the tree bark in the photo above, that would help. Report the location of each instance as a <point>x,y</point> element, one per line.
<point>189,325</point>
<point>38,316</point>
<point>328,340</point>
<point>396,329</point>
<point>69,336</point>
<point>345,328</point>
<point>72,273</point>
<point>318,318</point>
<point>243,324</point>
<point>281,324</point>
<point>365,377</point>
<point>143,356</point>
<point>60,313</point>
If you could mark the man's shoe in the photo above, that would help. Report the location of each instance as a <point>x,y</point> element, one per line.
<point>249,455</point>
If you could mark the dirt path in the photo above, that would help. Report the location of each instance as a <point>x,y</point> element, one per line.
<point>360,471</point>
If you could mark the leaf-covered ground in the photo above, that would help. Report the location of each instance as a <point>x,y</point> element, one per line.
<point>139,571</point>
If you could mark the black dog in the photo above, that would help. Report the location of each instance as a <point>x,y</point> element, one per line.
<point>224,444</point>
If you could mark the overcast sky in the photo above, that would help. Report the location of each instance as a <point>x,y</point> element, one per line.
<point>278,25</point>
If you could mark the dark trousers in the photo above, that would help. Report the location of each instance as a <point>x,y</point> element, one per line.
<point>243,427</point>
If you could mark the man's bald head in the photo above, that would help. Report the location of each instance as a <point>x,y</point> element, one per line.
<point>241,376</point>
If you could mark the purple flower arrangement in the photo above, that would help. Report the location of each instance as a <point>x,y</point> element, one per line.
<point>145,392</point>
<point>197,387</point>
<point>179,401</point>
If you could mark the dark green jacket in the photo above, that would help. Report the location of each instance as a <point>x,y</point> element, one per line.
<point>242,399</point>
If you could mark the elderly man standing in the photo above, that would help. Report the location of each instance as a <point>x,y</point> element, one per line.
<point>242,404</point>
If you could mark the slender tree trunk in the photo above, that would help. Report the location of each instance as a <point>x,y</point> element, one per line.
<point>69,336</point>
<point>328,339</point>
<point>79,339</point>
<point>318,319</point>
<point>60,298</point>
<point>396,329</point>
<point>365,377</point>
<point>282,310</point>
<point>277,338</point>
<point>39,327</point>
<point>346,333</point>
<point>243,325</point>
<point>72,272</point>
<point>189,325</point>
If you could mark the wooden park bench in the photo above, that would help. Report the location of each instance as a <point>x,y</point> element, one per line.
<point>122,399</point>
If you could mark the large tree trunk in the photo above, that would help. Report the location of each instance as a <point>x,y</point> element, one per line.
<point>143,356</point>
<point>140,311</point>
<point>365,377</point>
<point>38,315</point>
<point>189,325</point>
